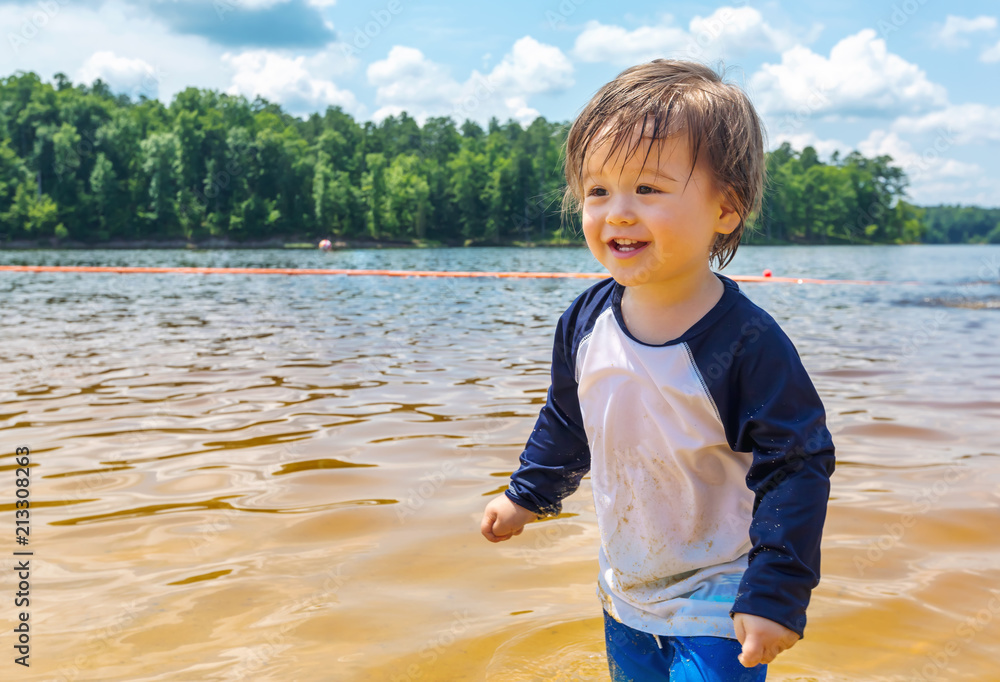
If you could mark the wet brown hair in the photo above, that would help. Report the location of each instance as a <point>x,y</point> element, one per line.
<point>667,97</point>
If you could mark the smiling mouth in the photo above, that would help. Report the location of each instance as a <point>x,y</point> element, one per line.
<point>626,245</point>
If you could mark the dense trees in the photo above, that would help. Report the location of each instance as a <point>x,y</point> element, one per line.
<point>854,200</point>
<point>952,224</point>
<point>82,163</point>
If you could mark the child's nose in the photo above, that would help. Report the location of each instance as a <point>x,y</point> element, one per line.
<point>620,211</point>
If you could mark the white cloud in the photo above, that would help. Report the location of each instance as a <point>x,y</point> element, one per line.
<point>931,174</point>
<point>964,123</point>
<point>335,60</point>
<point>74,32</point>
<point>727,31</point>
<point>406,76</point>
<point>952,33</point>
<point>407,81</point>
<point>983,191</point>
<point>926,164</point>
<point>133,77</point>
<point>519,109</point>
<point>934,178</point>
<point>603,43</point>
<point>991,54</point>
<point>860,77</point>
<point>743,29</point>
<point>264,4</point>
<point>799,141</point>
<point>532,67</point>
<point>255,4</point>
<point>286,81</point>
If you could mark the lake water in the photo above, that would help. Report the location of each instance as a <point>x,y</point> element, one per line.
<point>282,478</point>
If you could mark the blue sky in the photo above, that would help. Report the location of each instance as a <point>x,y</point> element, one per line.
<point>916,79</point>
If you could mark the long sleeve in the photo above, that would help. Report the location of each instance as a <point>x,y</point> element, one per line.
<point>556,456</point>
<point>781,420</point>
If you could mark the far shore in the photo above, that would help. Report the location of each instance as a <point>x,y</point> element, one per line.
<point>295,242</point>
<point>270,243</point>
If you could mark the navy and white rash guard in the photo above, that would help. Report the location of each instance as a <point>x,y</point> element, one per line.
<point>710,462</point>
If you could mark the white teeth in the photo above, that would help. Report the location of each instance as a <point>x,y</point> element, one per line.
<point>626,244</point>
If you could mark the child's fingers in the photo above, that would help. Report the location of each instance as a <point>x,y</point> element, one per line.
<point>504,532</point>
<point>486,527</point>
<point>492,528</point>
<point>753,651</point>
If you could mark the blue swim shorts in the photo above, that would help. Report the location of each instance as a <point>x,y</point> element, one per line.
<point>633,656</point>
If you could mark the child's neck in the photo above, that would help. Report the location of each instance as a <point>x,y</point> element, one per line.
<point>662,311</point>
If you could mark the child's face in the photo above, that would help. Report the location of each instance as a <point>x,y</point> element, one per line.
<point>675,226</point>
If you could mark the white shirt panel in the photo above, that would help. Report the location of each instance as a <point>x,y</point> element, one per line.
<point>672,502</point>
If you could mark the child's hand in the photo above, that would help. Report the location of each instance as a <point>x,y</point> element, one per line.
<point>503,519</point>
<point>762,639</point>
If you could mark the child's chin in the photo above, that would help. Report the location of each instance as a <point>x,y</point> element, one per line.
<point>629,279</point>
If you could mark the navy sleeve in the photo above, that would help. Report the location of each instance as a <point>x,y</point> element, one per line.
<point>770,407</point>
<point>557,455</point>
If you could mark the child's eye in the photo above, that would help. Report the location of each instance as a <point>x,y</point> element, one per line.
<point>594,192</point>
<point>642,187</point>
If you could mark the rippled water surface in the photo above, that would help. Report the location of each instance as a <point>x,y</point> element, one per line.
<point>281,477</point>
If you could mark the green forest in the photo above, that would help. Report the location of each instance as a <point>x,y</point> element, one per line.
<point>81,163</point>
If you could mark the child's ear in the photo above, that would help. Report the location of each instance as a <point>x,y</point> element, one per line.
<point>728,218</point>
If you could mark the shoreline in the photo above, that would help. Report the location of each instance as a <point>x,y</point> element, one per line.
<point>295,242</point>
<point>281,243</point>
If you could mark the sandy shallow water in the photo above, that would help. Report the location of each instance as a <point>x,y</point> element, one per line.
<point>281,478</point>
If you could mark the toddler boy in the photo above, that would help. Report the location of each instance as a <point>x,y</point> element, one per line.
<point>705,439</point>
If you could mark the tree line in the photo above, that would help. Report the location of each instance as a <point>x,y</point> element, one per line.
<point>82,163</point>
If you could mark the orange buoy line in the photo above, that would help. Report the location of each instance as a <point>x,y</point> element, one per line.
<point>394,273</point>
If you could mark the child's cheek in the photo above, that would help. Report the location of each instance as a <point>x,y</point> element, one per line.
<point>591,226</point>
